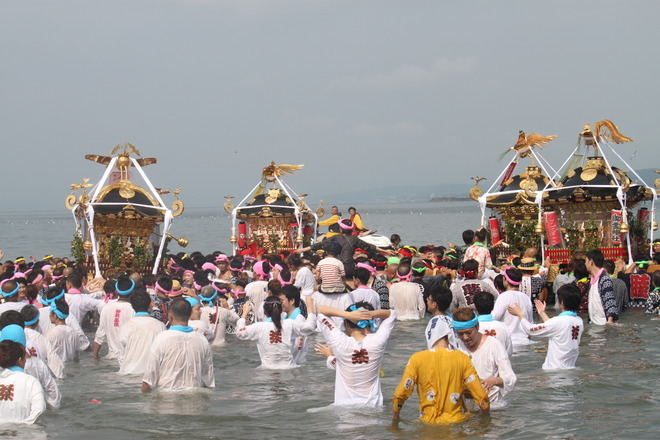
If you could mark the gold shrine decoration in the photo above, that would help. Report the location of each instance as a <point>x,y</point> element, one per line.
<point>122,161</point>
<point>320,211</point>
<point>177,208</point>
<point>606,130</point>
<point>271,171</point>
<point>273,195</point>
<point>71,199</point>
<point>527,142</point>
<point>229,206</point>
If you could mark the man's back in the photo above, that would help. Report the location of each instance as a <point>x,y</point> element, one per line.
<point>407,299</point>
<point>136,337</point>
<point>180,360</point>
<point>511,297</point>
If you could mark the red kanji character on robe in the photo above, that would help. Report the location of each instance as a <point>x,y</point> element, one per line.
<point>275,337</point>
<point>575,332</point>
<point>360,357</point>
<point>7,392</point>
<point>490,332</point>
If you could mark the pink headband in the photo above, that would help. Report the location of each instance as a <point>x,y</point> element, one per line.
<point>284,283</point>
<point>192,271</point>
<point>46,267</point>
<point>406,277</point>
<point>237,292</point>
<point>221,257</point>
<point>57,277</point>
<point>208,266</point>
<point>197,286</point>
<point>219,289</point>
<point>509,280</point>
<point>37,279</point>
<point>344,225</point>
<point>370,268</point>
<point>175,292</point>
<point>157,287</point>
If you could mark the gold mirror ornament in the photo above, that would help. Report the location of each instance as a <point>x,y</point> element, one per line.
<point>70,201</point>
<point>126,189</point>
<point>476,192</point>
<point>589,174</point>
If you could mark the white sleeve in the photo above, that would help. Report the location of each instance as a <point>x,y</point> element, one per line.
<point>331,362</point>
<point>306,327</point>
<point>100,337</point>
<point>504,368</point>
<point>208,376</point>
<point>544,329</point>
<point>499,309</point>
<point>54,361</point>
<point>83,341</point>
<point>332,333</point>
<point>385,329</point>
<point>246,332</point>
<point>37,399</point>
<point>152,371</point>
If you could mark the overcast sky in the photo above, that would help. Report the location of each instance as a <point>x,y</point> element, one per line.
<point>370,93</point>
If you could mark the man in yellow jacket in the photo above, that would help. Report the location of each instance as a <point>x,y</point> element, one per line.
<point>331,223</point>
<point>441,375</point>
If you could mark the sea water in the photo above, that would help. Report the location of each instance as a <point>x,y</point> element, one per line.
<point>612,394</point>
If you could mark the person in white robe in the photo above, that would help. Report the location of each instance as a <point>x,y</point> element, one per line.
<point>180,358</point>
<point>483,304</point>
<point>257,290</point>
<point>44,318</point>
<point>137,335</point>
<point>200,326</point>
<point>22,398</point>
<point>512,279</point>
<point>216,313</point>
<point>113,316</point>
<point>9,291</point>
<point>43,349</point>
<point>274,336</point>
<point>406,298</point>
<point>488,356</point>
<point>304,277</point>
<point>62,337</point>
<point>357,354</point>
<point>290,297</point>
<point>79,303</point>
<point>564,331</point>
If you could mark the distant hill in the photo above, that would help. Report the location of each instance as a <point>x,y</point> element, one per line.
<point>402,193</point>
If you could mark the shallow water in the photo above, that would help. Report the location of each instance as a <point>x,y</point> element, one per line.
<point>613,393</point>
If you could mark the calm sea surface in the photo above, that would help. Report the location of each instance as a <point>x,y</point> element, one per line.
<point>613,394</point>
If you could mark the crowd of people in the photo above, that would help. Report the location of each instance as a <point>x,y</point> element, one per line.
<point>163,329</point>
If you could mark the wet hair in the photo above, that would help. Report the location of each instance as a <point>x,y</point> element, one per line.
<point>291,292</point>
<point>471,266</point>
<point>403,269</point>
<point>468,236</point>
<point>285,274</point>
<point>655,278</point>
<point>481,235</point>
<point>180,309</point>
<point>31,292</point>
<point>124,282</point>
<point>62,306</point>
<point>360,305</point>
<point>333,248</point>
<point>202,278</point>
<point>353,208</point>
<point>442,296</point>
<point>395,239</point>
<point>140,300</point>
<point>350,225</point>
<point>419,265</point>
<point>570,296</point>
<point>609,267</point>
<point>75,279</point>
<point>499,283</point>
<point>165,282</point>
<point>597,257</point>
<point>9,317</point>
<point>514,274</point>
<point>241,282</point>
<point>379,258</point>
<point>463,314</point>
<point>273,310</point>
<point>580,270</point>
<point>10,353</point>
<point>294,260</point>
<point>28,313</point>
<point>274,286</point>
<point>34,274</point>
<point>109,287</point>
<point>9,286</point>
<point>484,302</point>
<point>236,264</point>
<point>362,274</point>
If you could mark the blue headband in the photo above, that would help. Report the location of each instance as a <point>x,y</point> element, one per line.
<point>127,291</point>
<point>193,301</point>
<point>209,299</point>
<point>365,322</point>
<point>61,315</point>
<point>13,332</point>
<point>34,321</point>
<point>464,325</point>
<point>13,292</point>
<point>48,302</point>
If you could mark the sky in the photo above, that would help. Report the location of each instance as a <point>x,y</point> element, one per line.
<point>364,93</point>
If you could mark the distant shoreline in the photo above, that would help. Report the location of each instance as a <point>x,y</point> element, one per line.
<point>450,199</point>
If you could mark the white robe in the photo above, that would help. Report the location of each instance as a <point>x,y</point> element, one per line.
<point>357,380</point>
<point>135,338</point>
<point>596,309</point>
<point>113,316</point>
<point>65,342</point>
<point>339,301</point>
<point>498,330</point>
<point>202,327</point>
<point>10,305</point>
<point>71,321</point>
<point>218,318</point>
<point>37,368</point>
<point>500,312</point>
<point>81,303</point>
<point>365,294</point>
<point>44,350</point>
<point>491,360</point>
<point>565,333</point>
<point>407,300</point>
<point>257,291</point>
<point>28,401</point>
<point>274,346</point>
<point>305,281</point>
<point>180,360</point>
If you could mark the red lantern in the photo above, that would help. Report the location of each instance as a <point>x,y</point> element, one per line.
<point>307,230</point>
<point>552,228</point>
<point>495,235</point>
<point>242,232</point>
<point>643,215</point>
